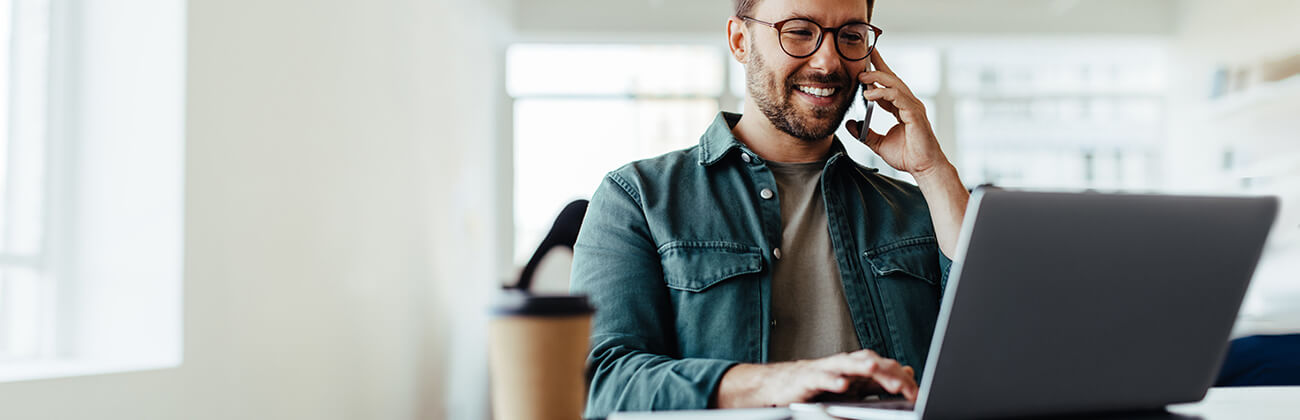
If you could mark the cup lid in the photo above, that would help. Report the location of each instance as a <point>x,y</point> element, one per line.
<point>514,302</point>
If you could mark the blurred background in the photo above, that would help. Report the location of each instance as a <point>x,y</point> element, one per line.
<point>301,209</point>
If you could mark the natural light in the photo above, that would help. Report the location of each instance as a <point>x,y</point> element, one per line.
<point>1081,114</point>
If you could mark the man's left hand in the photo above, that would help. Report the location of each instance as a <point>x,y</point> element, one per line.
<point>911,145</point>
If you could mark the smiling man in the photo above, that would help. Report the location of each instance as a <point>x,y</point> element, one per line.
<point>764,267</point>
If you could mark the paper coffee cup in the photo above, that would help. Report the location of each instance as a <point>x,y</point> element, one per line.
<point>537,352</point>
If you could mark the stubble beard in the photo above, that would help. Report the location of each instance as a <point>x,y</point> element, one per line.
<point>776,102</point>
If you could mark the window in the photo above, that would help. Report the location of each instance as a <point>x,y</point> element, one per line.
<point>611,104</point>
<point>26,287</point>
<point>1072,114</point>
<point>91,177</point>
<point>1059,115</point>
<point>607,105</point>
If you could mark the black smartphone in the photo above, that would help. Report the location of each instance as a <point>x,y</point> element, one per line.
<point>866,120</point>
<point>870,106</point>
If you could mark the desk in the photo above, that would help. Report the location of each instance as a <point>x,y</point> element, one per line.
<point>1251,403</point>
<point>1271,402</point>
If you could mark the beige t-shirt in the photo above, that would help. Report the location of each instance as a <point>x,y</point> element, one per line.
<point>808,304</point>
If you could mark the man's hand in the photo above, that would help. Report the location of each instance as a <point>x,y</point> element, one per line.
<point>842,376</point>
<point>910,146</point>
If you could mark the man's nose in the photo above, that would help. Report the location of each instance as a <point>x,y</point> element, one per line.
<point>825,58</point>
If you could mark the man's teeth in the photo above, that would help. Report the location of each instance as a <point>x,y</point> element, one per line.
<point>823,92</point>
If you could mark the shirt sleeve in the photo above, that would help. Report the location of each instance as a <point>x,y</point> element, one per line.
<point>945,266</point>
<point>631,364</point>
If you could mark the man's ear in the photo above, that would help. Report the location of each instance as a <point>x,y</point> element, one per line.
<point>736,39</point>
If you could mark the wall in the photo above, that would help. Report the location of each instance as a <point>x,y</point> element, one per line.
<point>895,16</point>
<point>331,146</point>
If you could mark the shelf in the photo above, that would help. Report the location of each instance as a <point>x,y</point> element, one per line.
<point>1264,94</point>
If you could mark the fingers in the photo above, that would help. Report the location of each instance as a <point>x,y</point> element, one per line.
<point>863,364</point>
<point>890,90</point>
<point>879,62</point>
<point>903,105</point>
<point>906,383</point>
<point>910,389</point>
<point>882,79</point>
<point>887,94</point>
<point>910,392</point>
<point>837,374</point>
<point>830,382</point>
<point>891,375</point>
<point>855,129</point>
<point>897,97</point>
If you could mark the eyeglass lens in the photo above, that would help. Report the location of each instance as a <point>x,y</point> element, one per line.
<point>801,37</point>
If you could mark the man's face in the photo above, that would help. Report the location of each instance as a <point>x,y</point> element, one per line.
<point>804,97</point>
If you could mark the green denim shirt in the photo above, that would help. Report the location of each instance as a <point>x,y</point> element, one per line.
<point>676,255</point>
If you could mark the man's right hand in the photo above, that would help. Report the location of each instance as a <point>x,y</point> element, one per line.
<point>768,385</point>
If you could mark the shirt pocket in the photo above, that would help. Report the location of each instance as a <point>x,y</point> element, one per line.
<point>916,258</point>
<point>696,266</point>
<point>706,279</point>
<point>907,277</point>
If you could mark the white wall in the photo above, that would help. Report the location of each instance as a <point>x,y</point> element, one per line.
<point>1057,17</point>
<point>895,16</point>
<point>331,147</point>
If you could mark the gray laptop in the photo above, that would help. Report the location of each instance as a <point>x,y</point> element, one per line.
<point>1075,303</point>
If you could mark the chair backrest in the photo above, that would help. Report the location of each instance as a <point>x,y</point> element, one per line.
<point>563,234</point>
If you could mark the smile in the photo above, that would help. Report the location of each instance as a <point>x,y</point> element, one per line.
<point>819,92</point>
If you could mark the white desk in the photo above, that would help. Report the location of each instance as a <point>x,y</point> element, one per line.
<point>1252,403</point>
<point>1273,402</point>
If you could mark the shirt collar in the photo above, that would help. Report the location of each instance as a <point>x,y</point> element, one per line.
<point>718,140</point>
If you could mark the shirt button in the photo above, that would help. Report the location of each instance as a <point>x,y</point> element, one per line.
<point>745,157</point>
<point>766,194</point>
<point>773,323</point>
<point>776,252</point>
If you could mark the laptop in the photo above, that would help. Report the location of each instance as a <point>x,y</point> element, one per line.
<point>1063,303</point>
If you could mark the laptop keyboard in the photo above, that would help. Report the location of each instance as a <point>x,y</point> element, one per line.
<point>891,404</point>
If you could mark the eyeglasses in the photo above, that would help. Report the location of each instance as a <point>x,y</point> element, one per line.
<point>801,37</point>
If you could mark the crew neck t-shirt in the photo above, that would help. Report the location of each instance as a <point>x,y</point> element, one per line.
<point>810,311</point>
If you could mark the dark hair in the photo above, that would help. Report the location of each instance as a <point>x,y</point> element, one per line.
<point>744,6</point>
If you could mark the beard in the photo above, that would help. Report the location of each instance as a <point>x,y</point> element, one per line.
<point>776,100</point>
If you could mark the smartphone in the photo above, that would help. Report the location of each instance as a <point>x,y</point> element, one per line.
<point>870,106</point>
<point>866,120</point>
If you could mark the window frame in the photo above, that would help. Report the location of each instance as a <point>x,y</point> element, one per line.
<point>945,98</point>
<point>115,134</point>
<point>725,96</point>
<point>29,74</point>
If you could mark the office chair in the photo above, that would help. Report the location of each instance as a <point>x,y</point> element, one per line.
<point>1262,360</point>
<point>564,232</point>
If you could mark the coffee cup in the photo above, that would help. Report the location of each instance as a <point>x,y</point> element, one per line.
<point>536,354</point>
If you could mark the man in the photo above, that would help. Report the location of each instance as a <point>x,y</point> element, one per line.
<point>763,267</point>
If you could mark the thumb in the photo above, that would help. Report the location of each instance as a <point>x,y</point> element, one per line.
<point>855,128</point>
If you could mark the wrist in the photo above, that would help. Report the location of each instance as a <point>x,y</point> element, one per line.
<point>740,385</point>
<point>940,171</point>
